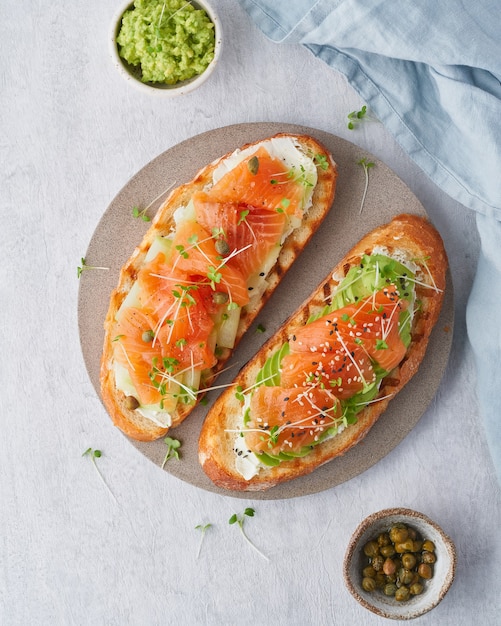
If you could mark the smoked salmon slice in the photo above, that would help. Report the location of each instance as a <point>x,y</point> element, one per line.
<point>195,254</point>
<point>372,324</point>
<point>134,349</point>
<point>263,181</point>
<point>286,420</point>
<point>168,333</point>
<point>342,367</point>
<point>250,232</point>
<point>163,289</point>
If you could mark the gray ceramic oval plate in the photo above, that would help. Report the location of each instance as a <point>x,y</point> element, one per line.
<point>118,233</point>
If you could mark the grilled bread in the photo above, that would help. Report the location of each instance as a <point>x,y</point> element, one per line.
<point>332,361</point>
<point>202,273</point>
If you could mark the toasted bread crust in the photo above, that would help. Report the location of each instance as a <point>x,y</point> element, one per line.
<point>132,423</point>
<point>421,243</point>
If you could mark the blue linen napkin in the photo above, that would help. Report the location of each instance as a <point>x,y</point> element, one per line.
<point>431,73</point>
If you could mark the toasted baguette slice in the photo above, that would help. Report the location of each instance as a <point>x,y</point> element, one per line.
<point>132,422</point>
<point>406,237</point>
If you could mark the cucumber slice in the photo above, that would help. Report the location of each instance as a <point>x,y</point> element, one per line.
<point>160,244</point>
<point>227,328</point>
<point>130,300</point>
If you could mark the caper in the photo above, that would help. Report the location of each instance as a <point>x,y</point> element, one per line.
<point>398,533</point>
<point>404,546</point>
<point>389,567</point>
<point>377,562</point>
<point>369,584</point>
<point>387,551</point>
<point>408,560</point>
<point>390,589</point>
<point>425,570</point>
<point>222,247</point>
<point>253,165</point>
<point>411,533</point>
<point>428,557</point>
<point>416,588</point>
<point>429,546</point>
<point>220,297</point>
<point>400,562</point>
<point>147,336</point>
<point>371,549</point>
<point>417,545</point>
<point>131,403</point>
<point>402,594</point>
<point>405,576</point>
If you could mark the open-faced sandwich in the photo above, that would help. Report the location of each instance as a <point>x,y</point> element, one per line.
<point>320,383</point>
<point>213,255</point>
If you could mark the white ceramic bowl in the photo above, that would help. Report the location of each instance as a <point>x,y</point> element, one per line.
<point>434,589</point>
<point>133,74</point>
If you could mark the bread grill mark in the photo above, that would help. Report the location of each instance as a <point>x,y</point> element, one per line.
<point>327,293</point>
<point>131,422</point>
<point>421,241</point>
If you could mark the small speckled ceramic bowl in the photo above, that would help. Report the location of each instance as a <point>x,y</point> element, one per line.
<point>434,589</point>
<point>132,74</point>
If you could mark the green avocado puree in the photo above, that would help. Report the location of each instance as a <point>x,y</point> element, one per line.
<point>170,40</point>
<point>374,272</point>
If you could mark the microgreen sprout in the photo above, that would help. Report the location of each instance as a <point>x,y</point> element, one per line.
<point>173,446</point>
<point>260,328</point>
<point>274,433</point>
<point>285,203</point>
<point>84,266</point>
<point>238,393</point>
<point>136,212</point>
<point>366,165</point>
<point>182,251</point>
<point>96,454</point>
<point>203,528</point>
<point>239,520</point>
<point>321,161</point>
<point>214,276</point>
<point>355,117</point>
<point>243,215</point>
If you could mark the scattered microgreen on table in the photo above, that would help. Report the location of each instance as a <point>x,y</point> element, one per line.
<point>366,165</point>
<point>96,454</point>
<point>355,117</point>
<point>173,446</point>
<point>239,521</point>
<point>203,528</point>
<point>81,268</point>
